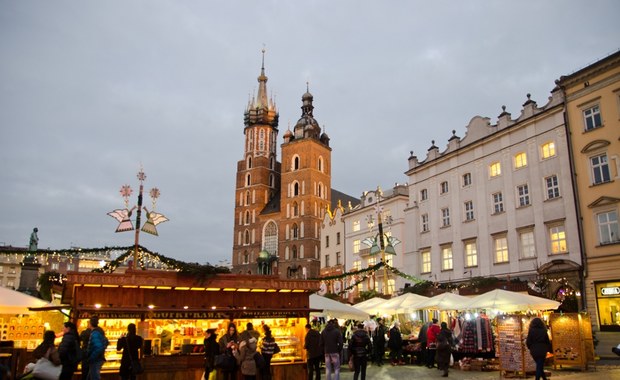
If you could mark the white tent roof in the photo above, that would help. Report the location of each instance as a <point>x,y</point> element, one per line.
<point>444,301</point>
<point>336,309</point>
<point>508,301</point>
<point>370,305</point>
<point>402,304</point>
<point>13,302</point>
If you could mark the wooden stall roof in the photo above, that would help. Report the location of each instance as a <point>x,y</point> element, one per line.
<point>163,293</point>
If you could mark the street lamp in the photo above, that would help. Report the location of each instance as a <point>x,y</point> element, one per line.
<point>377,243</point>
<point>123,216</point>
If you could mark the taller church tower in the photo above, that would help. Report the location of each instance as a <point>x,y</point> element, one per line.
<point>279,209</point>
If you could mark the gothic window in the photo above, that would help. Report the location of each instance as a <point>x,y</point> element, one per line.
<point>295,209</point>
<point>261,140</point>
<point>270,240</point>
<point>246,238</point>
<point>247,217</point>
<point>295,231</point>
<point>295,189</point>
<point>248,179</point>
<point>320,164</point>
<point>247,198</point>
<point>294,252</point>
<point>249,165</point>
<point>296,163</point>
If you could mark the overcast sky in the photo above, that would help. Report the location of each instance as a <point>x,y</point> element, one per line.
<point>91,90</point>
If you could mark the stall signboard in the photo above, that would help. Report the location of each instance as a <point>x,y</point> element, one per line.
<point>513,354</point>
<point>572,342</point>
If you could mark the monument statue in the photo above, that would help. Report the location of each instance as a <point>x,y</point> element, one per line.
<point>34,240</point>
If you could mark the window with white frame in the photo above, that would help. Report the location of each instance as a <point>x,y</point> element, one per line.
<point>445,217</point>
<point>423,194</point>
<point>372,261</point>
<point>356,225</point>
<point>424,222</point>
<point>425,261</point>
<point>495,169</point>
<point>356,246</point>
<point>547,150</point>
<point>443,187</point>
<point>446,258</point>
<point>471,254</point>
<point>557,238</point>
<point>469,210</point>
<point>608,227</point>
<point>55,266</point>
<point>520,160</point>
<point>498,203</point>
<point>466,179</point>
<point>357,265</point>
<point>527,244</point>
<point>500,248</point>
<point>552,187</point>
<point>592,118</point>
<point>600,169</point>
<point>523,195</point>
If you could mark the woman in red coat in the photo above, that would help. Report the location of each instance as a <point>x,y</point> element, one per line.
<point>431,343</point>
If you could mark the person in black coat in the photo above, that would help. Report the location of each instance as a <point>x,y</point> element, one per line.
<point>212,348</point>
<point>360,347</point>
<point>378,341</point>
<point>69,351</point>
<point>131,344</point>
<point>444,348</point>
<point>538,343</point>
<point>395,344</point>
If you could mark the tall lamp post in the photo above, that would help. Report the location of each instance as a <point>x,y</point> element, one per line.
<point>123,216</point>
<point>378,242</point>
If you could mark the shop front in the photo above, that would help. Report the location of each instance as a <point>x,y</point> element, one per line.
<point>172,311</point>
<point>608,305</point>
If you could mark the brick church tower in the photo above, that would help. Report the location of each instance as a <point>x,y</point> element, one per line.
<point>279,208</point>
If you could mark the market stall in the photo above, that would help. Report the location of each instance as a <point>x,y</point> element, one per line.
<point>160,300</point>
<point>335,309</point>
<point>571,338</point>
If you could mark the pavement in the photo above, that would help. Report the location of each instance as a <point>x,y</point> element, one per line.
<point>603,370</point>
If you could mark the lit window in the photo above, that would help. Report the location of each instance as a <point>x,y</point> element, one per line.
<point>443,187</point>
<point>424,220</point>
<point>425,258</point>
<point>600,169</point>
<point>469,210</point>
<point>592,118</point>
<point>445,217</point>
<point>520,160</point>
<point>548,150</point>
<point>356,225</point>
<point>55,266</point>
<point>500,245</point>
<point>552,187</point>
<point>356,246</point>
<point>557,235</point>
<point>423,194</point>
<point>471,254</point>
<point>528,246</point>
<point>446,258</point>
<point>466,179</point>
<point>608,227</point>
<point>495,169</point>
<point>372,261</point>
<point>498,203</point>
<point>357,265</point>
<point>523,195</point>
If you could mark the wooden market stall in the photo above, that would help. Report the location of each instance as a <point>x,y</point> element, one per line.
<point>161,300</point>
<point>571,339</point>
<point>514,356</point>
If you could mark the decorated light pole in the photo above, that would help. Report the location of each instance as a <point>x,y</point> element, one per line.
<point>377,243</point>
<point>123,216</point>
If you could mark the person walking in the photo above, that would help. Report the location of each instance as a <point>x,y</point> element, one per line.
<point>211,350</point>
<point>96,349</point>
<point>431,343</point>
<point>395,344</point>
<point>228,344</point>
<point>538,343</point>
<point>378,342</point>
<point>312,344</point>
<point>84,338</point>
<point>245,358</point>
<point>444,348</point>
<point>131,345</point>
<point>69,350</point>
<point>360,347</point>
<point>422,337</point>
<point>268,348</point>
<point>331,344</point>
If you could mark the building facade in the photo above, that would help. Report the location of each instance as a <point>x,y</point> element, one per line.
<point>497,203</point>
<point>593,118</point>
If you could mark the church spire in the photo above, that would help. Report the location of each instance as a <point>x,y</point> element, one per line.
<point>261,109</point>
<point>261,99</point>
